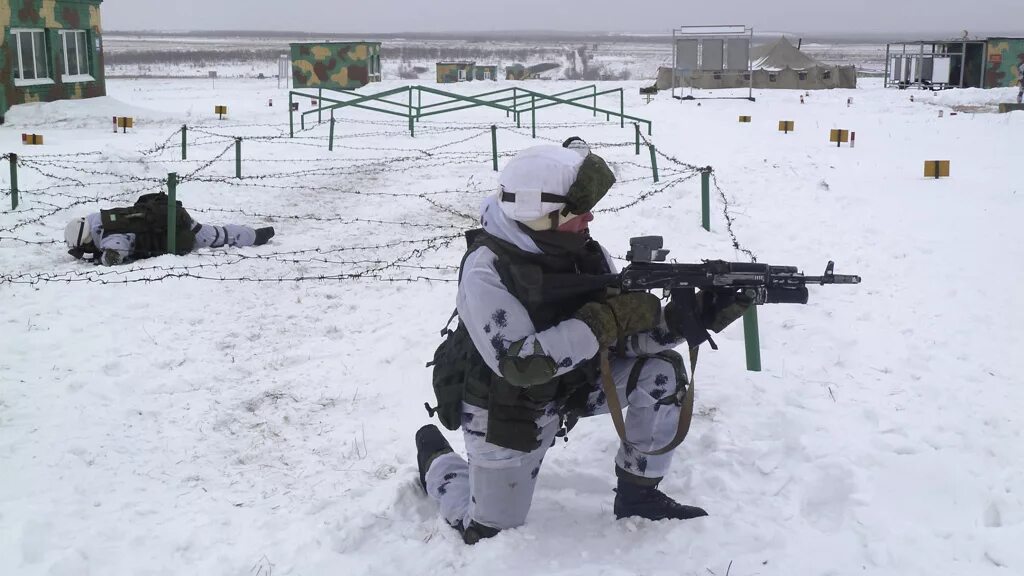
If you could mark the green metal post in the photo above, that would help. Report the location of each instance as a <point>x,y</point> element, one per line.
<point>515,106</point>
<point>752,340</point>
<point>494,146</point>
<point>330,141</point>
<point>320,106</point>
<point>622,109</point>
<point>238,157</point>
<point>412,119</point>
<point>14,181</point>
<point>705,198</point>
<point>172,213</point>
<point>291,117</point>
<point>184,142</point>
<point>533,114</point>
<point>419,103</point>
<point>595,103</point>
<point>654,162</point>
<point>636,126</point>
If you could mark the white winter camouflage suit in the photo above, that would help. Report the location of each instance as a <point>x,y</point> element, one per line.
<point>206,237</point>
<point>495,487</point>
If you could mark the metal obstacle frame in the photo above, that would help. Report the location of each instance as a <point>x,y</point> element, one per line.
<point>723,32</point>
<point>514,101</point>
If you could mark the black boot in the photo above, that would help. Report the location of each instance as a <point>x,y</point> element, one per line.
<point>263,235</point>
<point>475,532</point>
<point>430,444</point>
<point>636,500</point>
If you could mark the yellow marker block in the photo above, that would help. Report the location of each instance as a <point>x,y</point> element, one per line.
<point>125,122</point>
<point>839,136</point>
<point>32,139</point>
<point>744,118</point>
<point>220,110</point>
<point>936,169</point>
<point>786,126</point>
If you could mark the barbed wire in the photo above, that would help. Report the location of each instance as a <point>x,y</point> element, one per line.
<point>66,173</point>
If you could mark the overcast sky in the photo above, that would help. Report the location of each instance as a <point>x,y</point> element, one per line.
<point>342,16</point>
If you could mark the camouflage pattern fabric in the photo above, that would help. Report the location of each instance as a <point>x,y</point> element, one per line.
<point>51,16</point>
<point>335,65</point>
<point>593,181</point>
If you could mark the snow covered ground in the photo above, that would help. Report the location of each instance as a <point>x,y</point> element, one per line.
<point>251,411</point>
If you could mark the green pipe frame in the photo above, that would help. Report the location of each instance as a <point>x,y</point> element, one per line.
<point>521,100</point>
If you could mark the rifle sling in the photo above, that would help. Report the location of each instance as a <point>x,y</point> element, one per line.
<point>615,407</point>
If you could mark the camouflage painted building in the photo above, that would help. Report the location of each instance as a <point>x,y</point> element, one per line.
<point>1003,57</point>
<point>448,72</point>
<point>485,72</point>
<point>335,65</point>
<point>50,50</point>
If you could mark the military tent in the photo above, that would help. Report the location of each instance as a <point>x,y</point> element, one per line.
<point>775,65</point>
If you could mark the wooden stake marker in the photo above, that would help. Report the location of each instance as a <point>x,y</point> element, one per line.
<point>124,123</point>
<point>839,137</point>
<point>787,126</point>
<point>32,139</point>
<point>220,110</point>
<point>745,119</point>
<point>936,169</point>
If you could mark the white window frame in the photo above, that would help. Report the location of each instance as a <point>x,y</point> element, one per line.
<point>462,74</point>
<point>81,38</point>
<point>20,80</point>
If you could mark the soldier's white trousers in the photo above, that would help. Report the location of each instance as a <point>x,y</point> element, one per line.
<point>495,487</point>
<point>208,236</point>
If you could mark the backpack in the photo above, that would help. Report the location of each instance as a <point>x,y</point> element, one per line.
<point>147,220</point>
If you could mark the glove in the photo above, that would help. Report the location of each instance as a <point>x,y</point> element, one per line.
<point>111,257</point>
<point>620,316</point>
<point>719,307</point>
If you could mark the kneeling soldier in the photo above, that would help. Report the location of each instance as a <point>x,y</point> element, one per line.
<point>522,365</point>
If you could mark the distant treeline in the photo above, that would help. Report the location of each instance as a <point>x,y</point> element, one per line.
<point>482,55</point>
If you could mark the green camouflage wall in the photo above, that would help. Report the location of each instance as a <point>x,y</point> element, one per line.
<point>335,65</point>
<point>481,72</point>
<point>1003,59</point>
<point>448,72</point>
<point>52,16</point>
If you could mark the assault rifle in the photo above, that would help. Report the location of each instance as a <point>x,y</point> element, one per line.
<point>647,270</point>
<point>763,283</point>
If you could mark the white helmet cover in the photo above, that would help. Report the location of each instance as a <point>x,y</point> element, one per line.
<point>77,233</point>
<point>534,183</point>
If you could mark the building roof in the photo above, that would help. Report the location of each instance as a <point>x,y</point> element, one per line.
<point>779,55</point>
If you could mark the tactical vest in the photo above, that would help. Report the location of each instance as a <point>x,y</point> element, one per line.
<point>147,220</point>
<point>513,410</point>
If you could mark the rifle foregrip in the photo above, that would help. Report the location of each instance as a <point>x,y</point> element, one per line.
<point>796,295</point>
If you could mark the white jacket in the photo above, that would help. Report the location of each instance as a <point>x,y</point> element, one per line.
<point>495,319</point>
